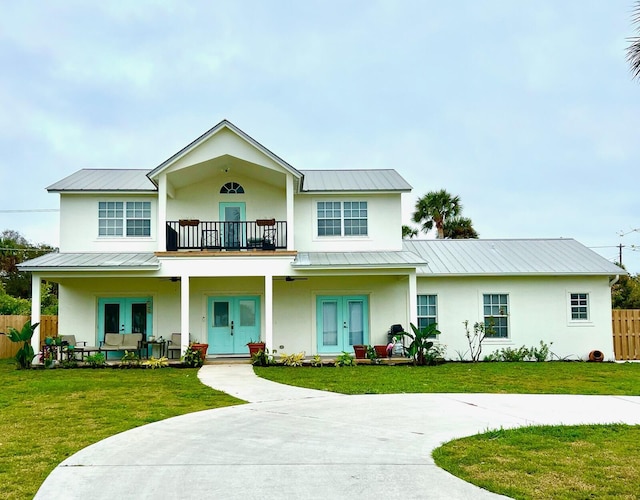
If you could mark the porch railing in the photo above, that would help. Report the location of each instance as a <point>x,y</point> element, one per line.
<point>193,234</point>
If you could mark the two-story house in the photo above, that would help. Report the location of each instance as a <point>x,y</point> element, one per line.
<point>226,242</point>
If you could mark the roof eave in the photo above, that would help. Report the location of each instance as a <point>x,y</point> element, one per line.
<point>212,131</point>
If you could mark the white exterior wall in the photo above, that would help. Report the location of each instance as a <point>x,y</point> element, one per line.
<point>295,308</point>
<point>202,200</point>
<point>79,225</point>
<point>384,224</point>
<point>538,310</point>
<point>294,312</point>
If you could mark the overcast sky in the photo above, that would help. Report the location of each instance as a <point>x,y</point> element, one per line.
<point>525,109</point>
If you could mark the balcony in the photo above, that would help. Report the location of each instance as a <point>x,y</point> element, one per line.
<point>193,234</point>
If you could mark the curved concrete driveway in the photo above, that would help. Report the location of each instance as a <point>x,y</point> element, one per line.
<point>299,443</point>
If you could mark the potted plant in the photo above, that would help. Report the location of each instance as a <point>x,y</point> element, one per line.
<point>255,347</point>
<point>201,348</point>
<point>382,351</point>
<point>360,351</point>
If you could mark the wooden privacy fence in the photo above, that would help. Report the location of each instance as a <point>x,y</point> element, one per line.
<point>626,333</point>
<point>8,349</point>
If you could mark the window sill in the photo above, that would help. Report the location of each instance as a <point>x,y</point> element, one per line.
<point>580,323</point>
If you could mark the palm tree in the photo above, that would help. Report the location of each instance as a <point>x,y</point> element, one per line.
<point>633,50</point>
<point>434,208</point>
<point>409,232</point>
<point>459,228</point>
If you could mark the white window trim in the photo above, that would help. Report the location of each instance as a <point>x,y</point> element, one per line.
<point>341,236</point>
<point>496,340</point>
<point>579,322</point>
<point>124,237</point>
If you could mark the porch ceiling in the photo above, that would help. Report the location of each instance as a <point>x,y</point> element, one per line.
<point>226,167</point>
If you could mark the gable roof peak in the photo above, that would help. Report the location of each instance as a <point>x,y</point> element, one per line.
<point>223,124</point>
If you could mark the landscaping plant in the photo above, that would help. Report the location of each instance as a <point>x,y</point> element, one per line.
<point>25,354</point>
<point>421,344</point>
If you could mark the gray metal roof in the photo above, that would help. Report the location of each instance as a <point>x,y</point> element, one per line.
<point>92,179</point>
<point>354,180</point>
<point>509,258</point>
<point>356,259</point>
<point>91,261</point>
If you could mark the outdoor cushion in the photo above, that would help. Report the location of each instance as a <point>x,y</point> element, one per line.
<point>112,340</point>
<point>131,340</point>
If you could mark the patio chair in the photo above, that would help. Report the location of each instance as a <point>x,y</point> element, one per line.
<point>79,346</point>
<point>174,345</point>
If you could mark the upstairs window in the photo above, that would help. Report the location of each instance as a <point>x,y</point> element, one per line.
<point>349,218</point>
<point>131,219</point>
<point>496,310</point>
<point>232,188</point>
<point>579,307</point>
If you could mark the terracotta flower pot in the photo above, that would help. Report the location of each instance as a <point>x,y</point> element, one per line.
<point>361,351</point>
<point>202,349</point>
<point>381,351</point>
<point>596,356</point>
<point>255,347</point>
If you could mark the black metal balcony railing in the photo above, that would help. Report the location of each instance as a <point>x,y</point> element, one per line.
<point>262,234</point>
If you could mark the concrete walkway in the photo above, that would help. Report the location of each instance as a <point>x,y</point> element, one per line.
<point>299,443</point>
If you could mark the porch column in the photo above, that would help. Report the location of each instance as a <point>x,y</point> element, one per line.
<point>162,214</point>
<point>184,313</point>
<point>268,312</point>
<point>413,300</point>
<point>36,300</point>
<point>290,221</point>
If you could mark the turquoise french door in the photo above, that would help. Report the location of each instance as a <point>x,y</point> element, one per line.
<point>124,315</point>
<point>232,215</point>
<point>342,322</point>
<point>232,323</point>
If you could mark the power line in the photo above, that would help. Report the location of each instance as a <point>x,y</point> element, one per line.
<point>30,210</point>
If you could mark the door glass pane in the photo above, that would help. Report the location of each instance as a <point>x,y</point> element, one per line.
<point>139,318</point>
<point>220,314</point>
<point>356,323</point>
<point>330,323</point>
<point>247,313</point>
<point>232,227</point>
<point>112,318</point>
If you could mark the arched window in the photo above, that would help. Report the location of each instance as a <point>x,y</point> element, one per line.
<point>232,188</point>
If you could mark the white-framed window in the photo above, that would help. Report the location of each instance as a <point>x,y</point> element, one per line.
<point>579,305</point>
<point>232,188</point>
<point>348,218</point>
<point>427,310</point>
<point>496,314</point>
<point>130,219</point>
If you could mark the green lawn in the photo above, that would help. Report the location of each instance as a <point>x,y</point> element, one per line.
<point>586,461</point>
<point>47,416</point>
<point>590,461</point>
<point>520,378</point>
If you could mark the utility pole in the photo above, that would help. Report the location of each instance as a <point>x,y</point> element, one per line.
<point>620,253</point>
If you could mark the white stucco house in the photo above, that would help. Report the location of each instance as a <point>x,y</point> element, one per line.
<point>226,242</point>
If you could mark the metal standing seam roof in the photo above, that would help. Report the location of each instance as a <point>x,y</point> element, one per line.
<point>356,259</point>
<point>84,261</point>
<point>477,257</point>
<point>354,180</point>
<point>108,179</point>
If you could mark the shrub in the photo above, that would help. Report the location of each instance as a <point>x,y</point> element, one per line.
<point>292,359</point>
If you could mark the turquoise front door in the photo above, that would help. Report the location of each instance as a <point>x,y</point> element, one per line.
<point>124,315</point>
<point>232,323</point>
<point>342,322</point>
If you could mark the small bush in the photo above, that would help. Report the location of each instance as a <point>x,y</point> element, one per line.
<point>345,359</point>
<point>292,359</point>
